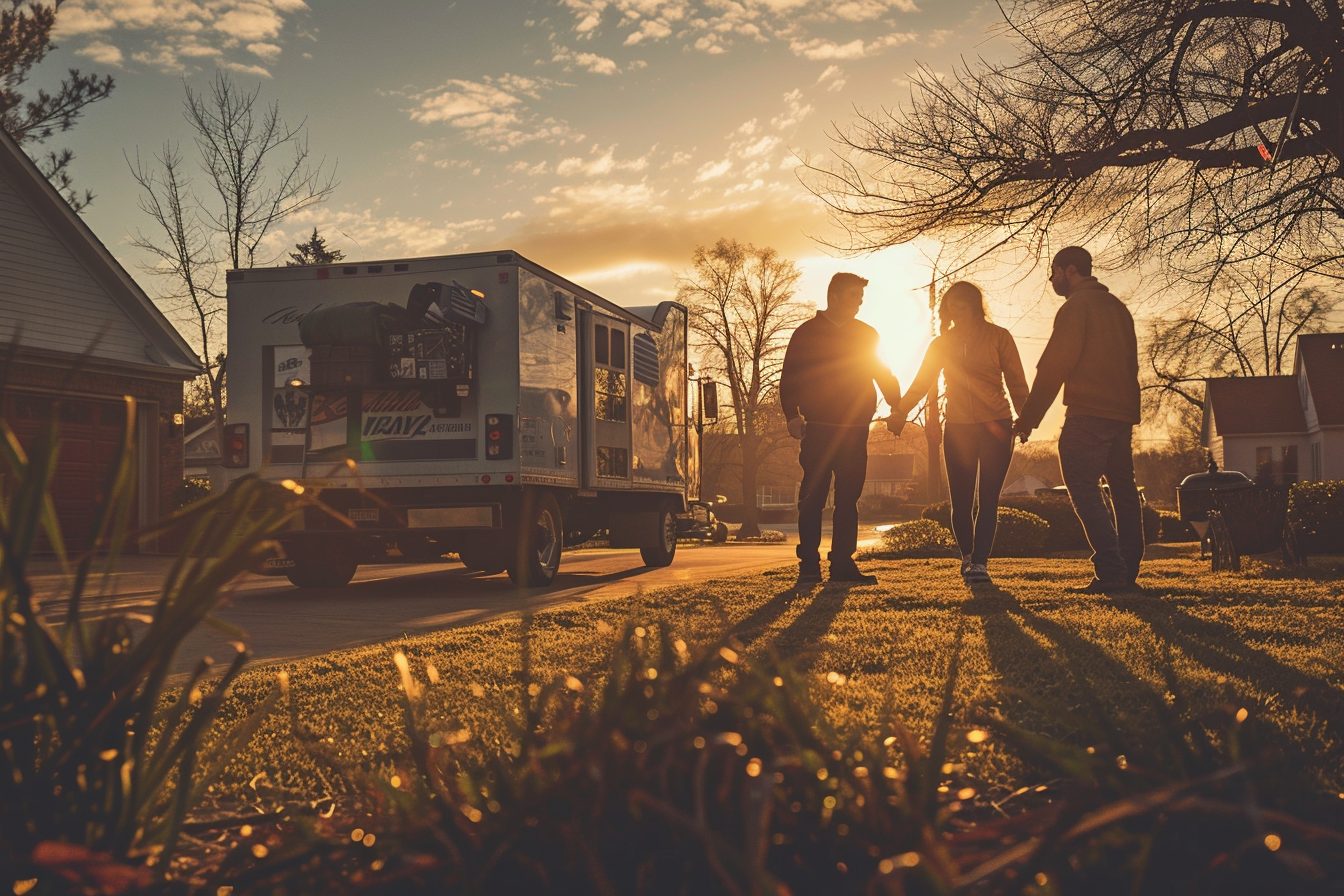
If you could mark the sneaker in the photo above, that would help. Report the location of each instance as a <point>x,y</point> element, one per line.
<point>850,573</point>
<point>976,574</point>
<point>809,573</point>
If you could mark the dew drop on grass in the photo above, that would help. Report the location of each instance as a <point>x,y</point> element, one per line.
<point>779,682</point>
<point>1041,879</point>
<point>889,741</point>
<point>976,736</point>
<point>753,767</point>
<point>699,744</point>
<point>533,689</point>
<point>259,850</point>
<point>966,793</point>
<point>477,691</point>
<point>1242,714</point>
<point>1272,842</point>
<point>641,631</point>
<point>357,835</point>
<point>370,838</point>
<point>245,831</point>
<point>108,755</point>
<point>728,654</point>
<point>395,781</point>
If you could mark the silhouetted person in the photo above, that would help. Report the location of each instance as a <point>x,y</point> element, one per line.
<point>827,391</point>
<point>976,359</point>
<point>1093,353</point>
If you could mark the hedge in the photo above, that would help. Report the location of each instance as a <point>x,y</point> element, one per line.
<point>1065,532</point>
<point>1317,510</point>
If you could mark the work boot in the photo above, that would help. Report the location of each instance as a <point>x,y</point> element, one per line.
<point>848,572</point>
<point>809,572</point>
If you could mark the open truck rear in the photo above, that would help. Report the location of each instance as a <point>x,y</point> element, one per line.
<point>530,415</point>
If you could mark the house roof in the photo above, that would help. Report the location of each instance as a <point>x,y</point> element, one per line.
<point>1323,356</point>
<point>62,292</point>
<point>1243,405</point>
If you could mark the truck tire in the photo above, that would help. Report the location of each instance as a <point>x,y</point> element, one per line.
<point>322,571</point>
<point>661,554</point>
<point>720,533</point>
<point>536,556</point>
<point>485,560</point>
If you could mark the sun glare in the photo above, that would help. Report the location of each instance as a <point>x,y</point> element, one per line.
<point>896,302</point>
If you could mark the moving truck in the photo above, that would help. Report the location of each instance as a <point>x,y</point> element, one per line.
<point>471,404</point>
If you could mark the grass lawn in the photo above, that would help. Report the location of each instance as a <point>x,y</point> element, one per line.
<point>1207,645</point>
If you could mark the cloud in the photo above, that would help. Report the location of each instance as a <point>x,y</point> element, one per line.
<point>797,110</point>
<point>366,234</point>
<point>613,238</point>
<point>102,53</point>
<point>590,203</point>
<point>714,26</point>
<point>172,34</point>
<point>589,62</point>
<point>820,49</point>
<point>491,112</point>
<point>603,163</point>
<point>712,170</point>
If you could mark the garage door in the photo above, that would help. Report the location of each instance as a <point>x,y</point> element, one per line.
<point>90,431</point>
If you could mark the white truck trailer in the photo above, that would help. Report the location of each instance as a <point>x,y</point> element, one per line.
<point>529,414</point>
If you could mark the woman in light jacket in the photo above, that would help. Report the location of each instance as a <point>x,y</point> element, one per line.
<point>976,359</point>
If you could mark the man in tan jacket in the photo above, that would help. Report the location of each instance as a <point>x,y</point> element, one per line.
<point>1093,354</point>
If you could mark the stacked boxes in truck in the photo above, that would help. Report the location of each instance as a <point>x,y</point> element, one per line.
<point>471,404</point>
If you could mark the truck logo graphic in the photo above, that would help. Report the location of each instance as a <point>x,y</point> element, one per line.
<point>391,425</point>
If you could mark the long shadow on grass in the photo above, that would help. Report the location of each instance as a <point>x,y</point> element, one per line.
<point>759,620</point>
<point>1063,687</point>
<point>1222,649</point>
<point>804,634</point>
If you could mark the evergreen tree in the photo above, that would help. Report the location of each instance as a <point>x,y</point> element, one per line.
<point>314,251</point>
<point>25,40</point>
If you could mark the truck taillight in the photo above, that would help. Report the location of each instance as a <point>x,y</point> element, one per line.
<point>234,454</point>
<point>498,436</point>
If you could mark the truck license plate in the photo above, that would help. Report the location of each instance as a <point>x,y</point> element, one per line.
<point>364,515</point>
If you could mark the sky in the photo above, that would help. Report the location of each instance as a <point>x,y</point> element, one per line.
<point>603,139</point>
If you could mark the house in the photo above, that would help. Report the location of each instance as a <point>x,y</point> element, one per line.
<point>80,334</point>
<point>1024,485</point>
<point>200,450</point>
<point>1282,428</point>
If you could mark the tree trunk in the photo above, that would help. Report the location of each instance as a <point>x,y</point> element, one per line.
<point>751,465</point>
<point>933,437</point>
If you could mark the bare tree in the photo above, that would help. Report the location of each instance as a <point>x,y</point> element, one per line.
<point>1203,132</point>
<point>742,311</point>
<point>1248,326</point>
<point>25,40</point>
<point>257,172</point>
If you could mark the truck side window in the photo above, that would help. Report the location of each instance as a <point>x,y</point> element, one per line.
<point>600,342</point>
<point>618,349</point>
<point>609,395</point>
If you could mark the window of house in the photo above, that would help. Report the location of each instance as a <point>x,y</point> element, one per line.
<point>1288,464</point>
<point>1264,464</point>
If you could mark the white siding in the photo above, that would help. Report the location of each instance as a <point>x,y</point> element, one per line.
<point>1332,453</point>
<point>47,297</point>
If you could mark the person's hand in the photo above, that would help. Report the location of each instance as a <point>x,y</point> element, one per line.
<point>797,427</point>
<point>895,423</point>
<point>1022,431</point>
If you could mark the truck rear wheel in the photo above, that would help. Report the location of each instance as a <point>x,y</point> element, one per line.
<point>322,571</point>
<point>661,554</point>
<point>536,556</point>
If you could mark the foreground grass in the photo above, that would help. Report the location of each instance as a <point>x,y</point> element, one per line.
<point>1200,643</point>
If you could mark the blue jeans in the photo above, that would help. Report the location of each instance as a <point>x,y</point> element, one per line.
<point>1090,448</point>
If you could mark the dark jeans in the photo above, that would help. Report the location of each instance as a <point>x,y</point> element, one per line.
<point>976,452</point>
<point>826,451</point>
<point>1090,448</point>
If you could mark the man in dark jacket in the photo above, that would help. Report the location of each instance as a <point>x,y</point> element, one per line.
<point>1093,354</point>
<point>827,391</point>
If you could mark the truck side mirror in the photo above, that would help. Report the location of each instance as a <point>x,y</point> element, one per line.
<point>709,401</point>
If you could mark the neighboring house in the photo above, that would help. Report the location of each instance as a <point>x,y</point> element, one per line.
<point>80,335</point>
<point>200,450</point>
<point>1026,485</point>
<point>889,474</point>
<point>1282,428</point>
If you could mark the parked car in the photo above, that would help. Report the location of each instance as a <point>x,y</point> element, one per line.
<point>699,522</point>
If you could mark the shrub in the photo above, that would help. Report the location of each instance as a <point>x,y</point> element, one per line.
<point>191,490</point>
<point>1020,534</point>
<point>1172,528</point>
<point>1317,510</point>
<point>98,761</point>
<point>917,539</point>
<point>881,504</point>
<point>1065,533</point>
